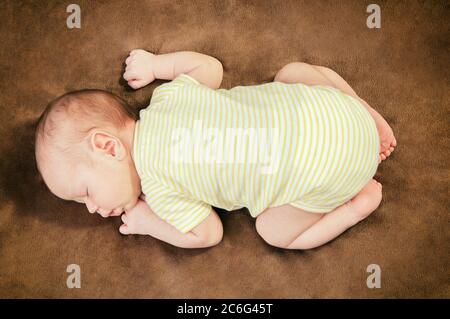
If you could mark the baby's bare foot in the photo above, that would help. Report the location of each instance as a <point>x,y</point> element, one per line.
<point>387,138</point>
<point>366,201</point>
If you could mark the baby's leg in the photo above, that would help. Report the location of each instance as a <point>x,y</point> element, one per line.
<point>387,138</point>
<point>298,72</point>
<point>292,228</point>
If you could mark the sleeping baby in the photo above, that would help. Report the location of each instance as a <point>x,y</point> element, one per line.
<point>299,153</point>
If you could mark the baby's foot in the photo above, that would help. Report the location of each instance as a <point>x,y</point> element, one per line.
<point>387,138</point>
<point>366,201</point>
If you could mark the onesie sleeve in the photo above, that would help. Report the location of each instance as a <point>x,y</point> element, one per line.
<point>163,92</point>
<point>179,210</point>
<point>183,78</point>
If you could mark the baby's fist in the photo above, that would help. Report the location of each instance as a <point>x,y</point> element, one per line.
<point>136,219</point>
<point>139,69</point>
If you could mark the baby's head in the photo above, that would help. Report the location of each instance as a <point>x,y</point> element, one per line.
<point>84,148</point>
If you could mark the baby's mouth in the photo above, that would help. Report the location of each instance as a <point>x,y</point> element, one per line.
<point>116,212</point>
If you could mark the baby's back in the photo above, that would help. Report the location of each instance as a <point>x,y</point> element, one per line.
<point>258,146</point>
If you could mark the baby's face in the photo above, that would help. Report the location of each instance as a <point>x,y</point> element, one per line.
<point>106,188</point>
<point>106,184</point>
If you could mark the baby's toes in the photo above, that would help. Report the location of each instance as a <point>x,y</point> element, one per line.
<point>384,146</point>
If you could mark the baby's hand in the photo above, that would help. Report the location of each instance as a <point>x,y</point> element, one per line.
<point>139,69</point>
<point>136,219</point>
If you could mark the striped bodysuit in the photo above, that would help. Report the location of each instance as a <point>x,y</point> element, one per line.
<point>256,146</point>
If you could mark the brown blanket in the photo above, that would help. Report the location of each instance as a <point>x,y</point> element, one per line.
<point>401,69</point>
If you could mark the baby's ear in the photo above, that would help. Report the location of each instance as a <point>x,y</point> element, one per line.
<point>107,144</point>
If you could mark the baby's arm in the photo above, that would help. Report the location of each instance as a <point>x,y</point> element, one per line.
<point>143,67</point>
<point>204,68</point>
<point>143,221</point>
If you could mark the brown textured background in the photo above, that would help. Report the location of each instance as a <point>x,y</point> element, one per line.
<point>401,69</point>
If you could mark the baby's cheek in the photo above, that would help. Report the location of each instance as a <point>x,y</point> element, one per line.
<point>107,199</point>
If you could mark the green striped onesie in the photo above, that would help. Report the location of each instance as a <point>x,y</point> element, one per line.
<point>256,146</point>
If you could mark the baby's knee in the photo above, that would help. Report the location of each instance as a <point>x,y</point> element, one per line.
<point>269,235</point>
<point>292,69</point>
<point>324,69</point>
<point>327,72</point>
<point>280,241</point>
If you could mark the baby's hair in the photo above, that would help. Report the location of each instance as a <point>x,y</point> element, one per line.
<point>67,120</point>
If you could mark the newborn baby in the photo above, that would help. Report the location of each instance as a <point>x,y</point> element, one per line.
<point>300,152</point>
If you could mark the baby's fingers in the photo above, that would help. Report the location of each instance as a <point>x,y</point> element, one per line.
<point>136,84</point>
<point>130,75</point>
<point>124,229</point>
<point>135,51</point>
<point>129,60</point>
